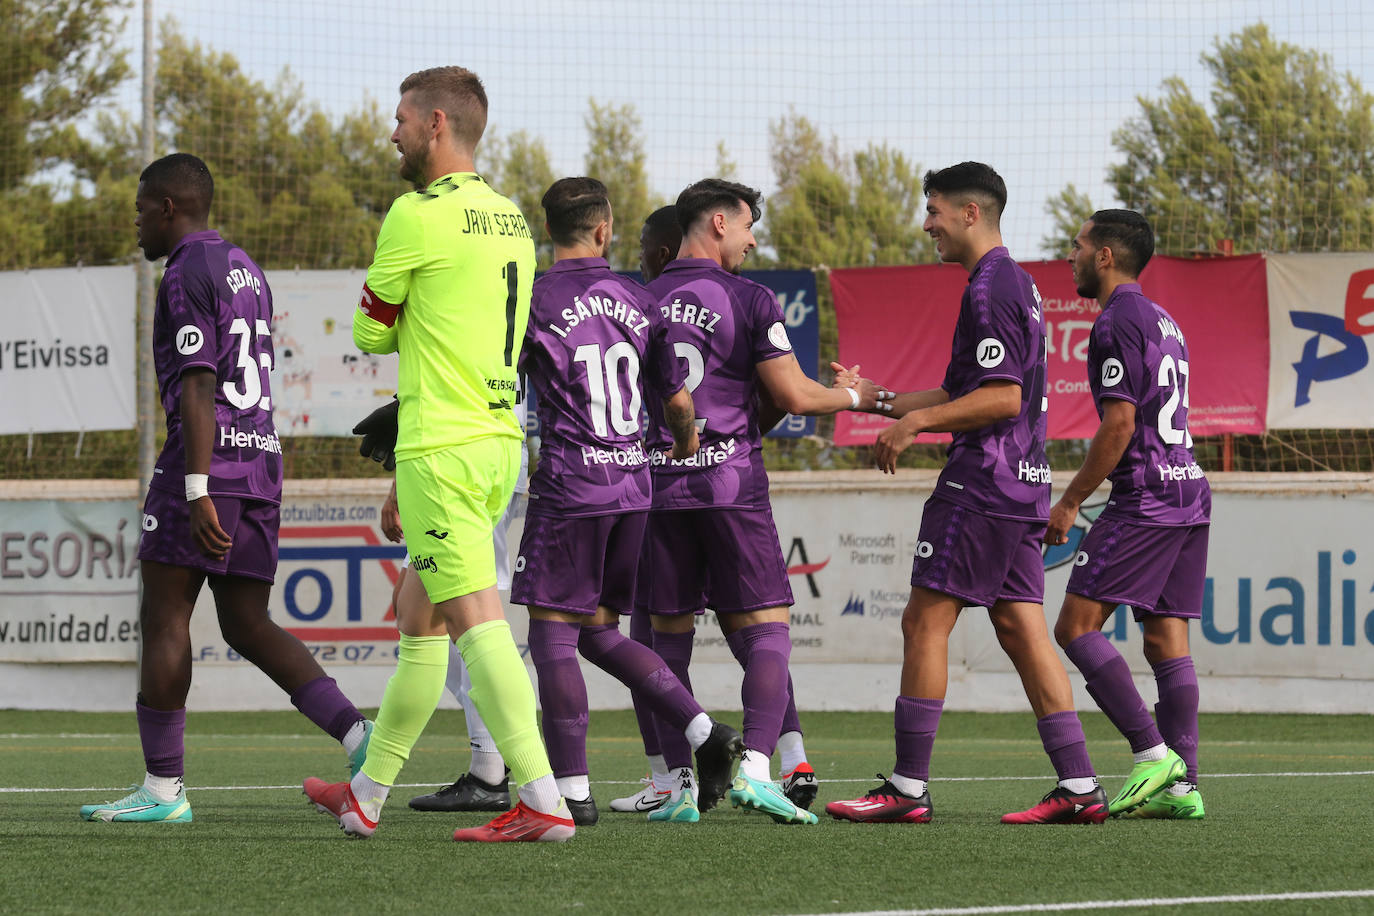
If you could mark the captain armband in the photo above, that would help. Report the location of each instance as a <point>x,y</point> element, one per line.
<point>373,307</point>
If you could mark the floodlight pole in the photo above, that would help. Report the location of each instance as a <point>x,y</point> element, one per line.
<point>146,378</point>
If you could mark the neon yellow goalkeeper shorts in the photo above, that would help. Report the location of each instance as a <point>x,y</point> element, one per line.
<point>450,502</point>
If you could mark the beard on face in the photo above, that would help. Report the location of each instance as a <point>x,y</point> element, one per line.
<point>1088,283</point>
<point>413,165</point>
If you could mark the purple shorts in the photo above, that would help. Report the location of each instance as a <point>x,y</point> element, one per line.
<point>726,559</point>
<point>1160,571</point>
<point>578,564</point>
<point>251,524</point>
<point>978,558</point>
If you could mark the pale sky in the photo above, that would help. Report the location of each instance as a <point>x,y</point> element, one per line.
<point>1036,88</point>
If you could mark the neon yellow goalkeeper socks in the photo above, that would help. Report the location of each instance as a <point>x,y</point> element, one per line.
<point>504,696</point>
<point>409,701</point>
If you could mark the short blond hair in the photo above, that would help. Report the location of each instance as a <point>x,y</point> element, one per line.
<point>458,93</point>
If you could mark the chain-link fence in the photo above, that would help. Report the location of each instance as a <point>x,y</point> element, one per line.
<point>1244,125</point>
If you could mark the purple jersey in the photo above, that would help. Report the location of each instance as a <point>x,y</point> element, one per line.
<point>999,469</point>
<point>1137,353</point>
<point>214,311</point>
<point>720,326</point>
<point>592,343</point>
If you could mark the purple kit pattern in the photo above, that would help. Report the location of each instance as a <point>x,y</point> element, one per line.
<point>214,311</point>
<point>720,326</point>
<point>594,351</point>
<point>1137,353</point>
<point>1000,469</point>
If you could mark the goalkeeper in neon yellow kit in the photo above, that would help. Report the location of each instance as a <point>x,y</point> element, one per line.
<point>449,289</point>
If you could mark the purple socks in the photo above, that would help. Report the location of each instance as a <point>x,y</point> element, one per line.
<point>562,694</point>
<point>163,734</point>
<point>638,668</point>
<point>676,651</point>
<point>1109,682</point>
<point>1177,708</point>
<point>916,719</point>
<point>1062,735</point>
<point>323,703</point>
<point>642,632</point>
<point>763,649</point>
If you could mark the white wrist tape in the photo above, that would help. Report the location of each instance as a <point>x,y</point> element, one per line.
<point>853,397</point>
<point>197,485</point>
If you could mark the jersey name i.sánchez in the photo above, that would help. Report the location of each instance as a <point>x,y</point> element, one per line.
<point>1137,353</point>
<point>449,289</point>
<point>214,311</point>
<point>720,326</point>
<point>595,344</point>
<point>1000,469</point>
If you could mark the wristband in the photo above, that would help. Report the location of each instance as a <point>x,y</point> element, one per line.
<point>854,398</point>
<point>197,485</point>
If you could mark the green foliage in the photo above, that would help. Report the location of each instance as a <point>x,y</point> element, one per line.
<point>1069,209</point>
<point>1282,160</point>
<point>292,188</point>
<point>616,157</point>
<point>726,167</point>
<point>836,210</point>
<point>60,61</point>
<point>519,167</point>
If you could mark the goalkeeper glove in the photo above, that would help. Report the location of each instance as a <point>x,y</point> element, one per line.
<point>378,430</point>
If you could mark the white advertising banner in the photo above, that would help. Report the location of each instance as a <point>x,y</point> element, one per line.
<point>69,580</point>
<point>1321,313</point>
<point>67,354</point>
<point>1290,605</point>
<point>321,383</point>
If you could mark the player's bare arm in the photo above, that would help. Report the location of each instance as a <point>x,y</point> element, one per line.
<point>989,403</point>
<point>1108,445</point>
<point>198,432</point>
<point>791,390</point>
<point>391,516</point>
<point>770,414</point>
<point>680,415</point>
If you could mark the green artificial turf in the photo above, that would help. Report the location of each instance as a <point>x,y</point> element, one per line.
<point>1278,820</point>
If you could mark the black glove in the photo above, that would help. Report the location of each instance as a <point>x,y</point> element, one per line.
<point>378,430</point>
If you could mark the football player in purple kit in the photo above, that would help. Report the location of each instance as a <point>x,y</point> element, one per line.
<point>711,539</point>
<point>659,241</point>
<point>979,541</point>
<point>591,345</point>
<point>1148,548</point>
<point>214,503</point>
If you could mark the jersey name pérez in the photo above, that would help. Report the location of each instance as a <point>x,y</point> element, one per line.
<point>691,313</point>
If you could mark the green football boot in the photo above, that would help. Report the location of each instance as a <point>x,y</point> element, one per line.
<point>140,805</point>
<point>680,808</point>
<point>1146,781</point>
<point>359,757</point>
<point>765,796</point>
<point>1170,807</point>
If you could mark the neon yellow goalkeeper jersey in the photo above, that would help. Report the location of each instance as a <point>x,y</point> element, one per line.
<point>449,289</point>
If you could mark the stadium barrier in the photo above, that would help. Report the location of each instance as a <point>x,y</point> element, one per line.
<point>1287,625</point>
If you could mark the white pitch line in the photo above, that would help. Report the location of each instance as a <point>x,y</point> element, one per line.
<point>134,737</point>
<point>634,782</point>
<point>1116,904</point>
<point>941,779</point>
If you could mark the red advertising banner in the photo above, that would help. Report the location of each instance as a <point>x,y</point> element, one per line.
<point>897,324</point>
